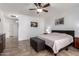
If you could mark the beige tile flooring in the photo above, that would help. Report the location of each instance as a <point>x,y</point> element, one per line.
<point>23,48</point>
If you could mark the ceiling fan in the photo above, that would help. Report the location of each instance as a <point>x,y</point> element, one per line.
<point>40,8</point>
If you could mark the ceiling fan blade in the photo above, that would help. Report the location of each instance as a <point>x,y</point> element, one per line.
<point>46,5</point>
<point>32,9</point>
<point>45,10</point>
<point>39,4</point>
<point>36,4</point>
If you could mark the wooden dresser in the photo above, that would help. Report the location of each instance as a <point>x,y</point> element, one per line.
<point>76,42</point>
<point>2,42</point>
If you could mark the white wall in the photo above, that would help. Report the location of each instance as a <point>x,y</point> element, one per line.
<point>25,30</point>
<point>1,25</point>
<point>1,28</point>
<point>9,26</point>
<point>71,20</point>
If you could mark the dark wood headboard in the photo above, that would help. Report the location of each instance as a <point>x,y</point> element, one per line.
<point>70,32</point>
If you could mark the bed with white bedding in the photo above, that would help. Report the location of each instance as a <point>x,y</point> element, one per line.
<point>56,41</point>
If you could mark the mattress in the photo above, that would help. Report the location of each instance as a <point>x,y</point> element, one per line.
<point>56,40</point>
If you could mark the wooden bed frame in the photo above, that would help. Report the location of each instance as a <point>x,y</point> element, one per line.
<point>70,32</point>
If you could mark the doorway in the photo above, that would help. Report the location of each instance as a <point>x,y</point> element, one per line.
<point>14,28</point>
<point>12,41</point>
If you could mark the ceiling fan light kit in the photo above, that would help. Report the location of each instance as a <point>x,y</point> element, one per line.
<point>39,10</point>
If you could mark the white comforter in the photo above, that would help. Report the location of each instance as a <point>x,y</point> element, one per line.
<point>56,40</point>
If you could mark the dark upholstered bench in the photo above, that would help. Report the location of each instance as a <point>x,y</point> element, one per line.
<point>37,43</point>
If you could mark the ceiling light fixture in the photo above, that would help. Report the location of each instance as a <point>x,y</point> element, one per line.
<point>39,10</point>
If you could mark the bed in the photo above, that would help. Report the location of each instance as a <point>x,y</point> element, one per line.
<point>58,39</point>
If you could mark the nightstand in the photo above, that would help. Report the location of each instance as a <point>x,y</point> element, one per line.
<point>45,33</point>
<point>76,42</point>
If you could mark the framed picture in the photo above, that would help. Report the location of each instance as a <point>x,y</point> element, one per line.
<point>34,24</point>
<point>59,21</point>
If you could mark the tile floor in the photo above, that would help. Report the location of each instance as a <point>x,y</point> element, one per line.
<point>23,48</point>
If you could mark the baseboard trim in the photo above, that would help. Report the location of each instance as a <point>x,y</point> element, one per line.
<point>23,39</point>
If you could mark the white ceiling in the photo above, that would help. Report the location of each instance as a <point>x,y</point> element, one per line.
<point>22,8</point>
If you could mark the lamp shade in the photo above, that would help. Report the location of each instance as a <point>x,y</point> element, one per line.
<point>48,30</point>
